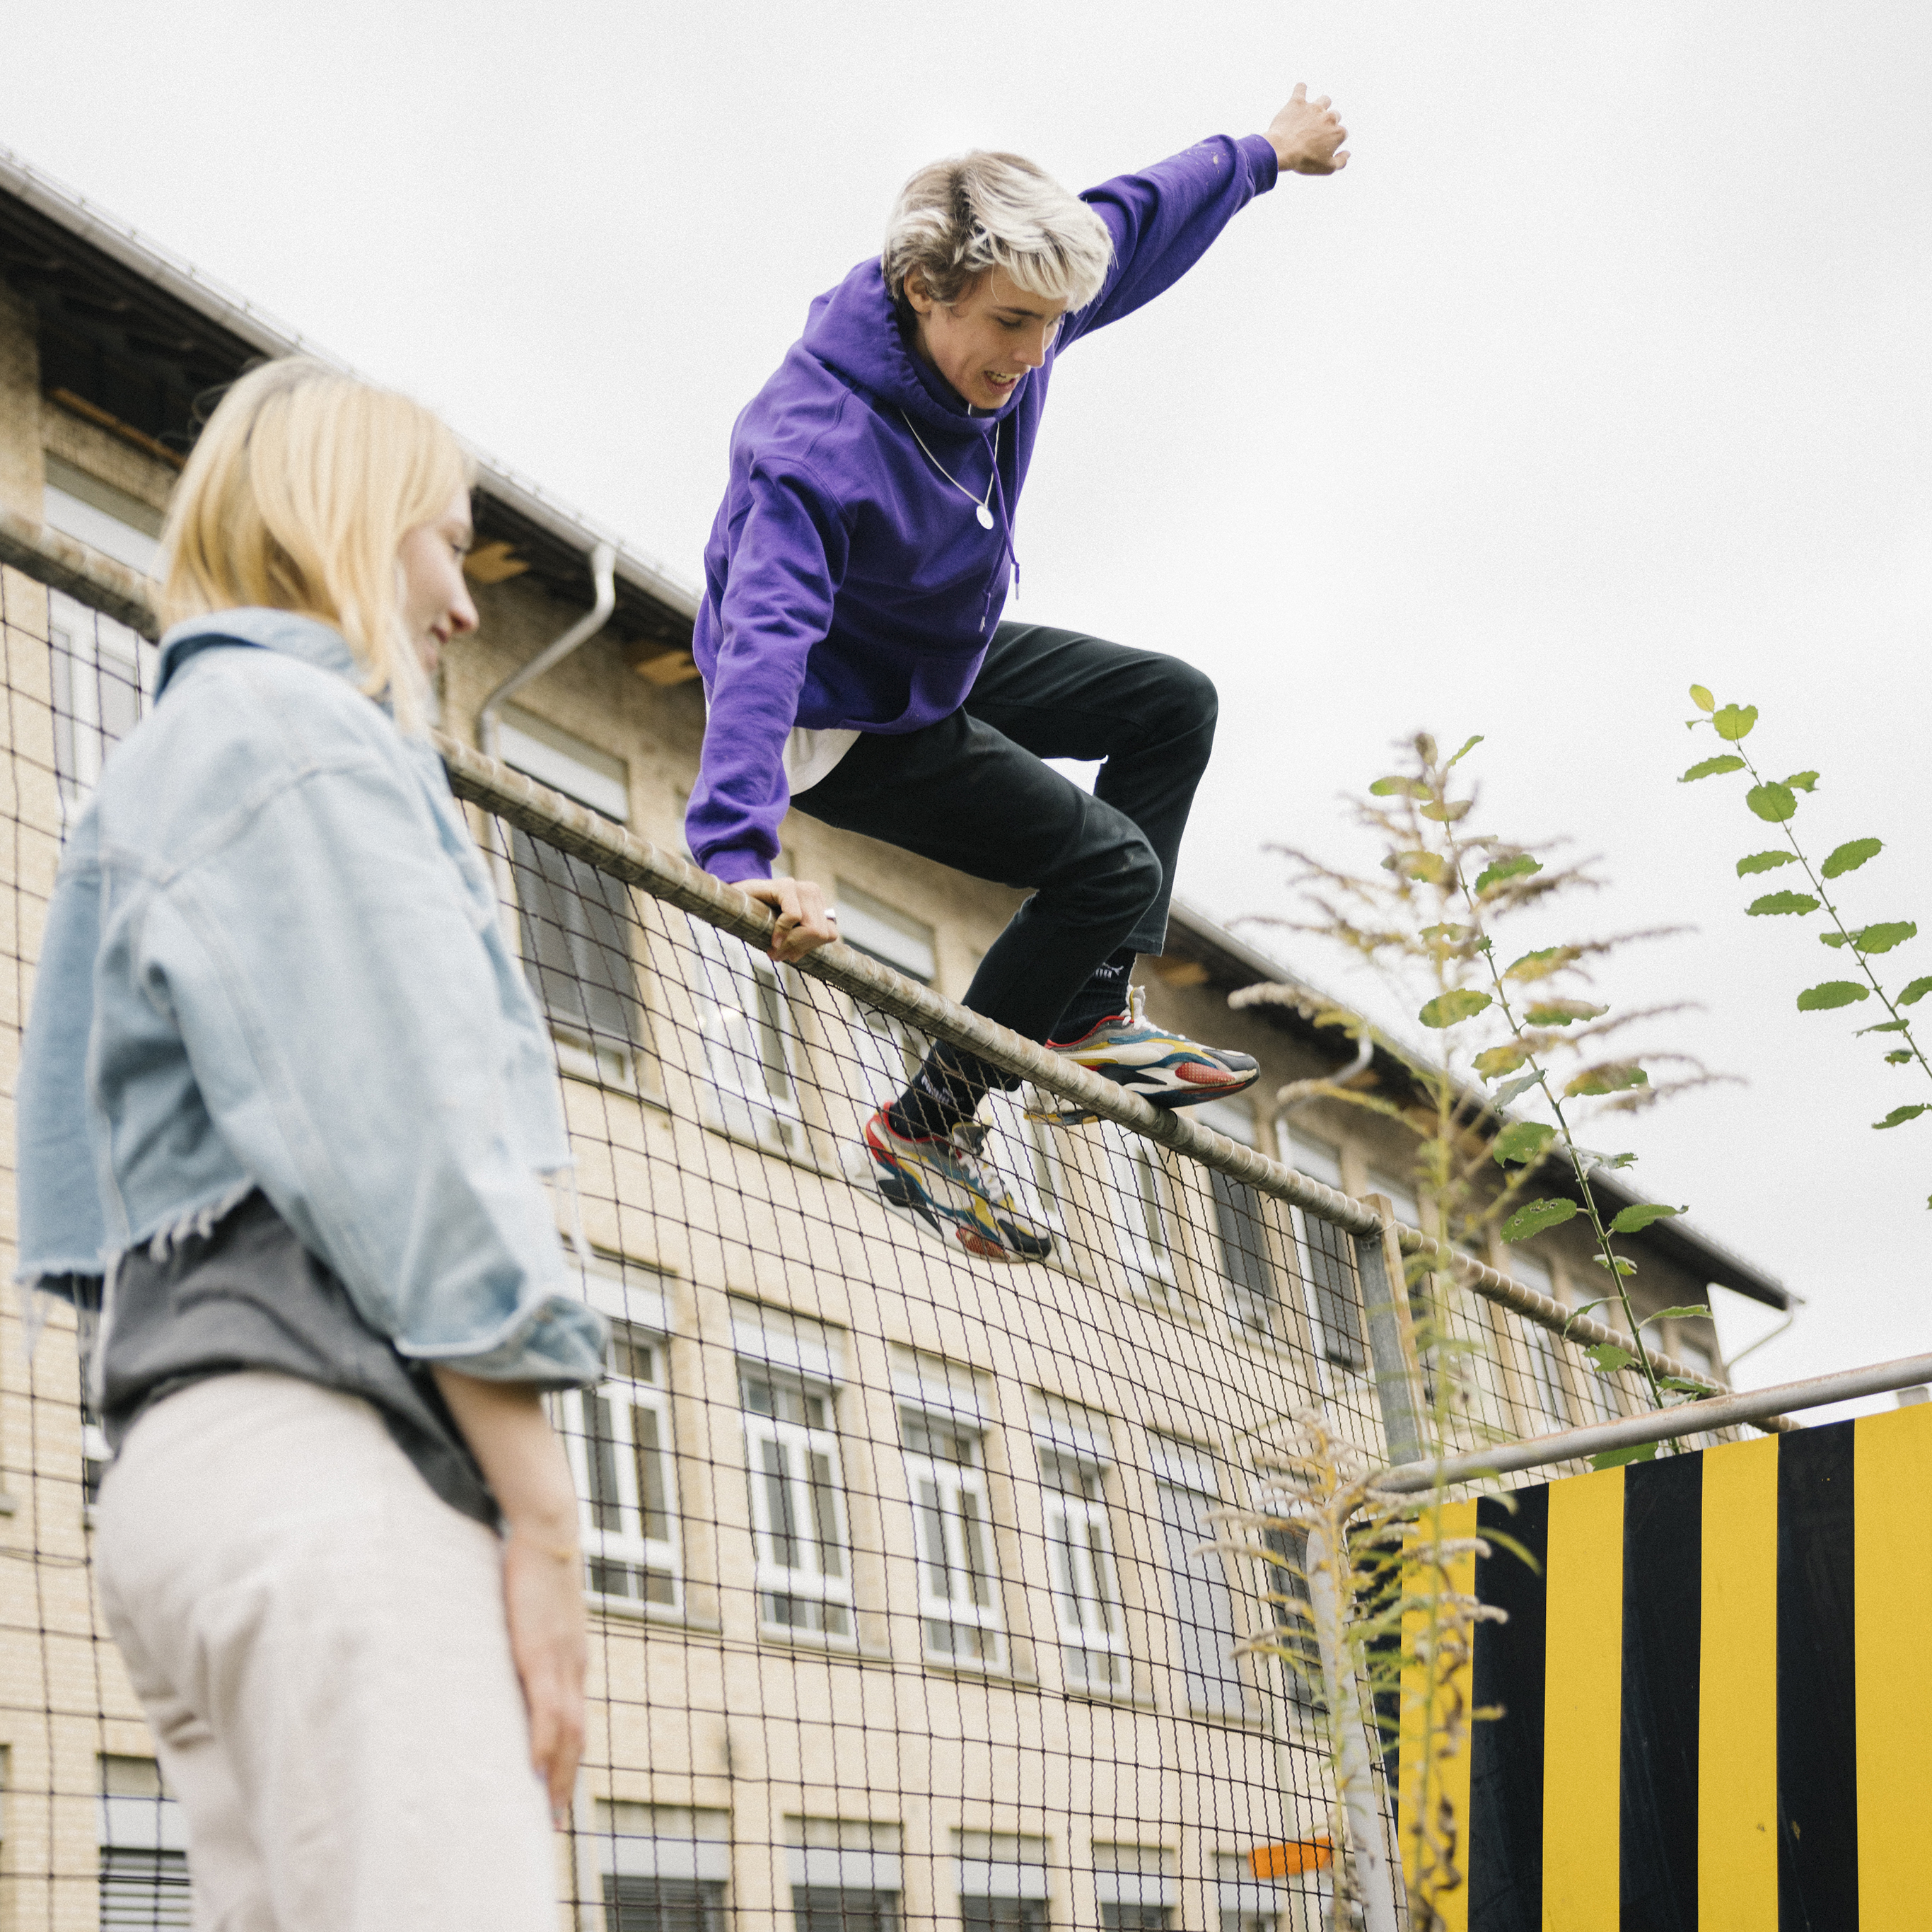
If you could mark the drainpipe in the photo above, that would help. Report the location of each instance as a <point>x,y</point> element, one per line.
<point>603,569</point>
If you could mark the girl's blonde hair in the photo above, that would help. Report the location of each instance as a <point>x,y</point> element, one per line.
<point>297,496</point>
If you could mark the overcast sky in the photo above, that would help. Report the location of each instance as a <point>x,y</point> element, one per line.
<point>1603,367</point>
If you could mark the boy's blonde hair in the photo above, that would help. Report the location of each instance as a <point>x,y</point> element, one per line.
<point>297,496</point>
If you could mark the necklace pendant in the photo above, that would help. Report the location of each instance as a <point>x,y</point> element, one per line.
<point>985,515</point>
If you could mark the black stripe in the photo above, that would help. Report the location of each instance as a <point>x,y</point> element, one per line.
<point>1663,1539</point>
<point>1817,1757</point>
<point>1504,1857</point>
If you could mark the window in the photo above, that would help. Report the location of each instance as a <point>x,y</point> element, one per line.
<point>1002,1914</point>
<point>1086,1587</point>
<point>845,1874</point>
<point>1546,1365</point>
<point>559,759</point>
<point>144,1876</point>
<point>958,1579</point>
<point>1203,1605</point>
<point>1002,1881</point>
<point>621,1445</point>
<point>1247,1268</point>
<point>106,519</point>
<point>751,1047</point>
<point>1248,1904</point>
<point>1334,1313</point>
<point>1286,1586</point>
<point>102,673</point>
<point>798,1519</point>
<point>882,931</point>
<point>1133,1885</point>
<point>1401,1195</point>
<point>665,1867</point>
<point>662,1904</point>
<point>576,924</point>
<point>1140,1212</point>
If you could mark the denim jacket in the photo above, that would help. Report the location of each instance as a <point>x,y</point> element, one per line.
<point>273,958</point>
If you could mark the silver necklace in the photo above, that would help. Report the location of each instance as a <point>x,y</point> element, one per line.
<point>980,508</point>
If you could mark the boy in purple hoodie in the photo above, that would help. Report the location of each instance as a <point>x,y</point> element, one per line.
<point>854,658</point>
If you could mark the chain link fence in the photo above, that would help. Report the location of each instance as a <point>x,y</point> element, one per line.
<point>900,1611</point>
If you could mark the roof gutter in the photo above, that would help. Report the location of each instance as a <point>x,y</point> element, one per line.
<point>185,284</point>
<point>603,577</point>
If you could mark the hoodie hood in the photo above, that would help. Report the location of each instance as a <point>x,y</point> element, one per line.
<point>854,330</point>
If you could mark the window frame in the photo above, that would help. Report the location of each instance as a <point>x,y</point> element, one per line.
<point>1143,1217</point>
<point>952,1483</point>
<point>831,1592</point>
<point>79,683</point>
<point>770,1118</point>
<point>624,1546</point>
<point>1082,1641</point>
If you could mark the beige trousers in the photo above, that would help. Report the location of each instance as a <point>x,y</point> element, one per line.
<point>319,1642</point>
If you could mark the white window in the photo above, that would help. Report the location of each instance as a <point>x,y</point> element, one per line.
<point>620,1445</point>
<point>103,677</point>
<point>1402,1196</point>
<point>565,762</point>
<point>1140,1212</point>
<point>1203,1604</point>
<point>104,518</point>
<point>750,1042</point>
<point>1086,1586</point>
<point>1247,1266</point>
<point>1327,1264</point>
<point>1546,1365</point>
<point>952,1527</point>
<point>665,1868</point>
<point>144,1875</point>
<point>892,937</point>
<point>576,929</point>
<point>798,1503</point>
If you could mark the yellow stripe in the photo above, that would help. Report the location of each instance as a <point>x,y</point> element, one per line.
<point>1424,1712</point>
<point>1892,1490</point>
<point>1583,1703</point>
<point>1737,1702</point>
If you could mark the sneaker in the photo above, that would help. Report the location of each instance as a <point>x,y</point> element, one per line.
<point>1164,1069</point>
<point>948,1187</point>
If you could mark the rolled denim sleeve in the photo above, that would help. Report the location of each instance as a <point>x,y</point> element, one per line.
<point>325,968</point>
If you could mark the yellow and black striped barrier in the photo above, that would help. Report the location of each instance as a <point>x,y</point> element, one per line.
<point>1715,1699</point>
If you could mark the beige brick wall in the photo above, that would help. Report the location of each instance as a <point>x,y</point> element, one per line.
<point>19,406</point>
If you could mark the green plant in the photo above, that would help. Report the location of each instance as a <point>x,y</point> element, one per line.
<point>1426,919</point>
<point>1375,1611</point>
<point>1775,801</point>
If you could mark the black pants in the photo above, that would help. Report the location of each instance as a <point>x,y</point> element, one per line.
<point>971,792</point>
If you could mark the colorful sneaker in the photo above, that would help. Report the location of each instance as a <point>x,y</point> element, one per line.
<point>1164,1069</point>
<point>948,1187</point>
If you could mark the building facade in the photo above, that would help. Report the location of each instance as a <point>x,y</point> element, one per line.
<point>903,1606</point>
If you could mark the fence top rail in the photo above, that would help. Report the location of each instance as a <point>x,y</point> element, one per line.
<point>124,595</point>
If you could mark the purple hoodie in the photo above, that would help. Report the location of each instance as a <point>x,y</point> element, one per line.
<point>848,585</point>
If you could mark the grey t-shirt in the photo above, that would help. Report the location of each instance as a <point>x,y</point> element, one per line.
<point>248,1295</point>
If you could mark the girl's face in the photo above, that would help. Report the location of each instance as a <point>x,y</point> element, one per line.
<point>436,599</point>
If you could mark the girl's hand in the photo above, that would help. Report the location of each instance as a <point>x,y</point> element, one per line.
<point>543,1596</point>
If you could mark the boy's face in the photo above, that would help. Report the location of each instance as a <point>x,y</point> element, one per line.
<point>984,342</point>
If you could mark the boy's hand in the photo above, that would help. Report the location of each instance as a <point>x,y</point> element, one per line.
<point>1305,134</point>
<point>804,924</point>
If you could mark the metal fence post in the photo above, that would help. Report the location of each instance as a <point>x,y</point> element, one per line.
<point>1391,1335</point>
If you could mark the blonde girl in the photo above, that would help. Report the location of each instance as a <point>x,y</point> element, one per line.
<point>285,1104</point>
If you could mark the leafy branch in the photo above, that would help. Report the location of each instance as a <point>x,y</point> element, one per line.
<point>1775,801</point>
<point>1424,919</point>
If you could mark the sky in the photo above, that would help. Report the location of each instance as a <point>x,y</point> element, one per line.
<point>1600,369</point>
